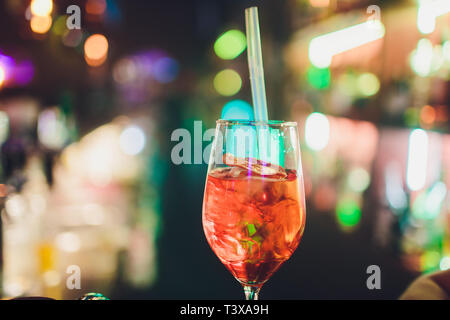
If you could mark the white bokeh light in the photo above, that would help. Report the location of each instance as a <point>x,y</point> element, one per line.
<point>317,131</point>
<point>132,140</point>
<point>417,159</point>
<point>68,241</point>
<point>322,48</point>
<point>444,263</point>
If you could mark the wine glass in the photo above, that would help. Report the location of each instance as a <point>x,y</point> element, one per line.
<point>254,204</point>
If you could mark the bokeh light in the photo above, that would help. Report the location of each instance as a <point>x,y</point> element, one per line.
<point>227,82</point>
<point>40,24</point>
<point>317,131</point>
<point>428,205</point>
<point>322,48</point>
<point>427,116</point>
<point>422,58</point>
<point>348,213</point>
<point>319,78</point>
<point>358,179</point>
<point>41,8</point>
<point>430,260</point>
<point>96,46</point>
<point>368,84</point>
<point>165,70</point>
<point>96,7</point>
<point>237,110</point>
<point>417,159</point>
<point>96,50</point>
<point>52,131</point>
<point>59,25</point>
<point>8,66</point>
<point>132,140</point>
<point>23,72</point>
<point>426,20</point>
<point>125,71</point>
<point>2,75</point>
<point>319,56</point>
<point>427,13</point>
<point>230,44</point>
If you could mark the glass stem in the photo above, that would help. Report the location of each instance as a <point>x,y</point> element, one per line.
<point>251,292</point>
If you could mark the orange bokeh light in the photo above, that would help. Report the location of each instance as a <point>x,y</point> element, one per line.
<point>3,190</point>
<point>96,7</point>
<point>96,49</point>
<point>40,24</point>
<point>427,115</point>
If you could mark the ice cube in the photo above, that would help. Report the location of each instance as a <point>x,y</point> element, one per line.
<point>219,172</point>
<point>255,166</point>
<point>237,172</point>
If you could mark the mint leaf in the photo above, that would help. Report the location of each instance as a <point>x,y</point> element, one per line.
<point>251,229</point>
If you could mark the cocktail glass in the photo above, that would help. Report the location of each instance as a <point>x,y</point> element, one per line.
<point>254,204</point>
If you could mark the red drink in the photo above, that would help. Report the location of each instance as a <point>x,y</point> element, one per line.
<point>253,222</point>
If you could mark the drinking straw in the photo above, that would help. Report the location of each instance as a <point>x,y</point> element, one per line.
<point>255,64</point>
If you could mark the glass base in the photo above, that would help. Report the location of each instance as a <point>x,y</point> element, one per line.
<point>251,292</point>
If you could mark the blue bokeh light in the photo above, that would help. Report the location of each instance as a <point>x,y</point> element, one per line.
<point>237,110</point>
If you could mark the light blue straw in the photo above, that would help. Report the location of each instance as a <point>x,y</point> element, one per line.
<point>255,64</point>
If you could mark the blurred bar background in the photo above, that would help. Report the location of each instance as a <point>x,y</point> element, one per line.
<point>86,118</point>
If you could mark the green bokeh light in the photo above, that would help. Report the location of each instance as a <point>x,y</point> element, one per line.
<point>368,84</point>
<point>411,117</point>
<point>59,26</point>
<point>430,261</point>
<point>319,78</point>
<point>230,44</point>
<point>428,205</point>
<point>227,82</point>
<point>348,213</point>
